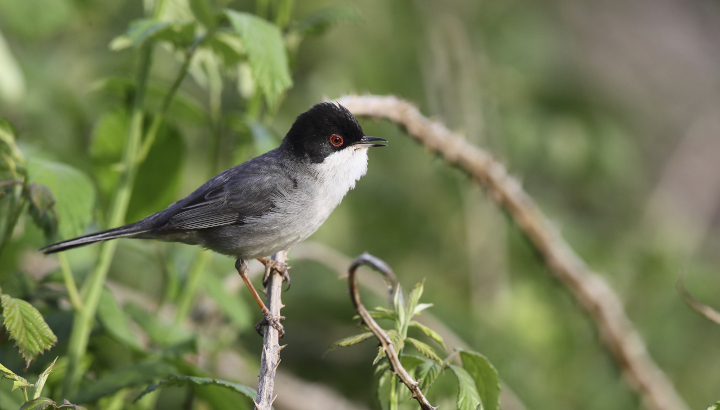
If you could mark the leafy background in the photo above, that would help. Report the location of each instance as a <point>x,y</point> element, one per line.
<point>608,113</point>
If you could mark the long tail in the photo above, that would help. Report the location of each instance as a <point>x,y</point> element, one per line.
<point>121,232</point>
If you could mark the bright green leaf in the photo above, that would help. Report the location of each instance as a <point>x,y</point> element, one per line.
<point>38,404</point>
<point>232,306</point>
<point>134,375</point>
<point>715,406</point>
<point>350,341</point>
<point>199,381</point>
<point>485,376</point>
<point>380,355</point>
<point>265,47</point>
<point>414,297</point>
<point>116,322</point>
<point>424,349</point>
<point>11,400</point>
<point>428,332</point>
<point>320,21</point>
<point>427,373</point>
<point>27,328</point>
<point>420,307</point>
<point>397,340</point>
<point>180,34</point>
<point>73,193</point>
<point>40,383</point>
<point>203,11</point>
<point>468,397</point>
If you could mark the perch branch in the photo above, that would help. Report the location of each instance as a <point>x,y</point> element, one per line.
<point>385,341</point>
<point>270,358</point>
<point>589,289</point>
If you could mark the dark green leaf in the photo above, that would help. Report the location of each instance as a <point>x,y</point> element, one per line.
<point>134,375</point>
<point>203,11</point>
<point>265,48</point>
<point>424,349</point>
<point>11,400</point>
<point>180,34</point>
<point>485,376</point>
<point>40,383</point>
<point>42,208</point>
<point>427,373</point>
<point>27,328</point>
<point>115,321</point>
<point>200,381</point>
<point>468,397</point>
<point>38,404</point>
<point>160,333</point>
<point>73,192</point>
<point>428,332</point>
<point>318,22</point>
<point>232,306</point>
<point>350,341</point>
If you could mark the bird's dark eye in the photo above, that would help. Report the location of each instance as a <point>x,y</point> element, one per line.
<point>336,140</point>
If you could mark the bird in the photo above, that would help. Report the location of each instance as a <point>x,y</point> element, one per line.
<point>266,204</point>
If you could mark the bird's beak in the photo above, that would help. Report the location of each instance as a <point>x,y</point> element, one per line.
<point>371,142</point>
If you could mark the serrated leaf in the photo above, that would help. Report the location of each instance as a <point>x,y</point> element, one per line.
<point>424,349</point>
<point>468,397</point>
<point>116,322</point>
<point>38,404</point>
<point>42,208</point>
<point>428,332</point>
<point>414,297</point>
<point>40,383</point>
<point>397,340</point>
<point>383,313</point>
<point>350,341</point>
<point>203,11</point>
<point>383,387</point>
<point>72,190</point>
<point>19,383</point>
<point>420,307</point>
<point>399,307</point>
<point>134,375</point>
<point>485,376</point>
<point>233,307</point>
<point>265,48</point>
<point>27,328</point>
<point>410,362</point>
<point>180,34</point>
<point>320,21</point>
<point>427,373</point>
<point>199,381</point>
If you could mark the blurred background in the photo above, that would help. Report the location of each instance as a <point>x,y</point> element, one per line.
<point>609,113</point>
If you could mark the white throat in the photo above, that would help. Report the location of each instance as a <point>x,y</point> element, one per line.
<point>340,171</point>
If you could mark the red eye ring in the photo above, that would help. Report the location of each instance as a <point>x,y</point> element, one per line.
<point>336,140</point>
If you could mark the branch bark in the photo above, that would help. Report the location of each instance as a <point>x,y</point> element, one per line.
<point>589,289</point>
<point>270,358</point>
<point>384,338</point>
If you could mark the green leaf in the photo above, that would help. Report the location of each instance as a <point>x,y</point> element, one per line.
<point>468,397</point>
<point>424,349</point>
<point>27,327</point>
<point>10,400</point>
<point>228,46</point>
<point>203,11</point>
<point>232,306</point>
<point>410,361</point>
<point>265,48</point>
<point>350,341</point>
<point>38,404</point>
<point>715,406</point>
<point>116,322</point>
<point>397,340</point>
<point>134,375</point>
<point>320,21</point>
<point>42,208</point>
<point>67,405</point>
<point>428,332</point>
<point>73,193</point>
<point>199,381</point>
<point>160,333</point>
<point>40,383</point>
<point>180,34</point>
<point>485,376</point>
<point>427,373</point>
<point>399,307</point>
<point>380,355</point>
<point>414,298</point>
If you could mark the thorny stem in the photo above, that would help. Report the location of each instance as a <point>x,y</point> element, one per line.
<point>385,341</point>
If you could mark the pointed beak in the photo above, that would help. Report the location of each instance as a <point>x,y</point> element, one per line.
<point>371,142</point>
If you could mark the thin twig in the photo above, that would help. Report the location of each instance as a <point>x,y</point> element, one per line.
<point>270,358</point>
<point>367,259</point>
<point>589,289</point>
<point>704,310</point>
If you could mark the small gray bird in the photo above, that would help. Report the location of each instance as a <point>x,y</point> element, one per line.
<point>267,204</point>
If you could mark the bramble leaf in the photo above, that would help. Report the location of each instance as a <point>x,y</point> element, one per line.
<point>133,375</point>
<point>350,341</point>
<point>427,373</point>
<point>27,328</point>
<point>180,34</point>
<point>40,383</point>
<point>38,404</point>
<point>424,349</point>
<point>485,376</point>
<point>428,332</point>
<point>199,381</point>
<point>414,297</point>
<point>468,397</point>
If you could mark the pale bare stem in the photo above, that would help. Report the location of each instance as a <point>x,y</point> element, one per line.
<point>589,289</point>
<point>706,311</point>
<point>270,358</point>
<point>367,259</point>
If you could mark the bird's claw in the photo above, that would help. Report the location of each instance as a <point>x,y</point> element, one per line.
<point>273,321</point>
<point>279,267</point>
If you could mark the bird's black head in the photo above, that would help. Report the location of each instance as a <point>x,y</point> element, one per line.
<point>324,129</point>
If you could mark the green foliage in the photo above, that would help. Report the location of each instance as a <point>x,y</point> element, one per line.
<point>27,328</point>
<point>143,31</point>
<point>116,321</point>
<point>37,402</point>
<point>468,397</point>
<point>485,376</point>
<point>199,381</point>
<point>715,406</point>
<point>133,375</point>
<point>350,341</point>
<point>320,21</point>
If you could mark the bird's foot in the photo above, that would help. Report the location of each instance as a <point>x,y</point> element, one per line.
<point>279,267</point>
<point>273,321</point>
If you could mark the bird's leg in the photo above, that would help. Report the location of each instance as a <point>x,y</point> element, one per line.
<point>279,267</point>
<point>268,319</point>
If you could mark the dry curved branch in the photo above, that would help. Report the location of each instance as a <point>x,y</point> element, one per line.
<point>398,369</point>
<point>589,289</point>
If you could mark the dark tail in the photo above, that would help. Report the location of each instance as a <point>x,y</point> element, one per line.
<point>121,232</point>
